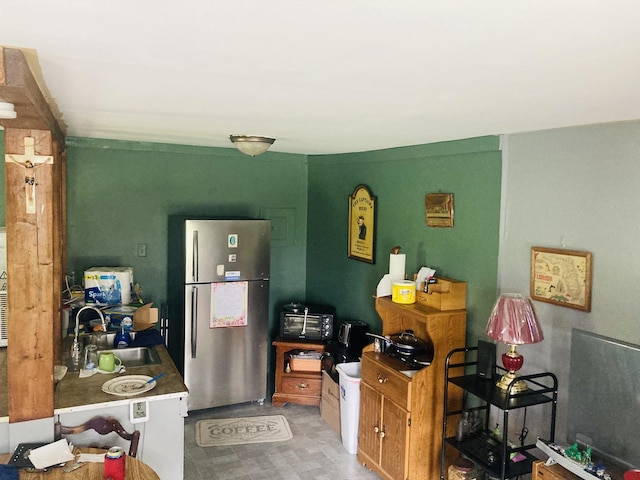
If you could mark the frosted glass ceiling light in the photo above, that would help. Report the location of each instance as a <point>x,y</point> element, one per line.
<point>7,110</point>
<point>251,145</point>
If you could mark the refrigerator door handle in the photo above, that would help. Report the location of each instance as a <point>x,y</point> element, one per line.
<point>194,259</point>
<point>194,320</point>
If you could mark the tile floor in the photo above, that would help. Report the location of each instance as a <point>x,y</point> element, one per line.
<point>314,453</point>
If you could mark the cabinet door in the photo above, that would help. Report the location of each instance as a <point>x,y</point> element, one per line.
<point>370,422</point>
<point>395,436</point>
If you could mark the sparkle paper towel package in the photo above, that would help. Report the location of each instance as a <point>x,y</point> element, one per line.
<point>108,285</point>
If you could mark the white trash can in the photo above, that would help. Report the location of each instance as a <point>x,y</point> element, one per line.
<point>349,375</point>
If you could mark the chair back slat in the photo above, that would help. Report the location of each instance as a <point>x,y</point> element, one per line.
<point>103,426</point>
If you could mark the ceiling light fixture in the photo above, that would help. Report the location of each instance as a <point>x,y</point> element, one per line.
<point>251,145</point>
<point>7,110</point>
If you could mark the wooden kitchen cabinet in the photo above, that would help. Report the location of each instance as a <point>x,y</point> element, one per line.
<point>304,388</point>
<point>384,424</point>
<point>400,424</point>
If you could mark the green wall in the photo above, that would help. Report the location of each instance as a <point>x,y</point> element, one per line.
<point>120,194</point>
<point>400,178</point>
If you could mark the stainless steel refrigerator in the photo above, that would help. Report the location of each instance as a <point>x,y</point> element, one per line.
<point>218,307</point>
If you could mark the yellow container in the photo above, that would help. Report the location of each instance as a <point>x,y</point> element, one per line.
<point>403,291</point>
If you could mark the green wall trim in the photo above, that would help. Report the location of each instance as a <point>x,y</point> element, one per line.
<point>439,149</point>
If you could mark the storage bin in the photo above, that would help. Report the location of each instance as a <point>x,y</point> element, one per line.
<point>349,375</point>
<point>306,362</point>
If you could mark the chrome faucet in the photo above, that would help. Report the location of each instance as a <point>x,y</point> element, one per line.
<point>75,347</point>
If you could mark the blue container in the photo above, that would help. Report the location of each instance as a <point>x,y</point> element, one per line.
<point>123,339</point>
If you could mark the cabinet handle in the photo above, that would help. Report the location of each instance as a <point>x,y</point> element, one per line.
<point>382,379</point>
<point>376,429</point>
<point>302,386</point>
<point>381,434</point>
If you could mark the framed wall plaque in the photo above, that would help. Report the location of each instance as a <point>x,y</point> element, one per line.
<point>439,208</point>
<point>561,277</point>
<point>362,217</point>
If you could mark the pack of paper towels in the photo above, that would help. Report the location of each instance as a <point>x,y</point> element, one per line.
<point>108,285</point>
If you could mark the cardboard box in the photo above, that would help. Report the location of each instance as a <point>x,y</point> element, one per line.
<point>145,317</point>
<point>330,402</point>
<point>115,315</point>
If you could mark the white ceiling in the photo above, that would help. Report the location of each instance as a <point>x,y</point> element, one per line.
<point>331,76</point>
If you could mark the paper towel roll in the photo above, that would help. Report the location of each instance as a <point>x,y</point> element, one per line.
<point>396,266</point>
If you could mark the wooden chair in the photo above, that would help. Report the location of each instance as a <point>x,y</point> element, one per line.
<point>104,426</point>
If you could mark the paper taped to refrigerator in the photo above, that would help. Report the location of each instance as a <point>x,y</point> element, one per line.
<point>229,304</point>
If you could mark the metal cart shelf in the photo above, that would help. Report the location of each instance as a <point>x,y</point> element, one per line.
<point>490,453</point>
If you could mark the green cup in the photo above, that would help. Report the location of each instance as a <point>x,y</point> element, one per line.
<point>108,362</point>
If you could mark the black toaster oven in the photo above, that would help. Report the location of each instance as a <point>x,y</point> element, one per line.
<point>308,322</point>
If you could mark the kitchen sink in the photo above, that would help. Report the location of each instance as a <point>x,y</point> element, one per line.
<point>135,356</point>
<point>102,340</point>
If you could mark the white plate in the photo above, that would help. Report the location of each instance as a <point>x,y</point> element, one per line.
<point>128,385</point>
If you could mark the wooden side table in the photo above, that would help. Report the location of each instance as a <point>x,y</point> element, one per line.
<point>304,388</point>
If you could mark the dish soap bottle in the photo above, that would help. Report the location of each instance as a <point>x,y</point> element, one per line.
<point>123,339</point>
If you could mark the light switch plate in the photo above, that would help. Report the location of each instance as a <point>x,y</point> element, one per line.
<point>139,411</point>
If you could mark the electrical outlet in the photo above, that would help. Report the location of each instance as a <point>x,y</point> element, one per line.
<point>139,411</point>
<point>141,250</point>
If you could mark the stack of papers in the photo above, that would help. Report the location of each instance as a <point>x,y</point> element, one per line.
<point>51,454</point>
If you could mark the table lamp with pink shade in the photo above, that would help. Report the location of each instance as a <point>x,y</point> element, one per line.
<point>513,321</point>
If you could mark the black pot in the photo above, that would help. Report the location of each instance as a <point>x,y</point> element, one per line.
<point>406,343</point>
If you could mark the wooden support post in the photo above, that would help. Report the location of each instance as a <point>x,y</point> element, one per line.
<point>34,166</point>
<point>33,250</point>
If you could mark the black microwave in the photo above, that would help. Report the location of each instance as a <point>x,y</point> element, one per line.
<point>307,324</point>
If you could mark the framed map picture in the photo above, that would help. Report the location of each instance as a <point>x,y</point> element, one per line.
<point>561,277</point>
<point>362,217</point>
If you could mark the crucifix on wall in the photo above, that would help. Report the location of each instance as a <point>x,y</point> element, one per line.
<point>30,162</point>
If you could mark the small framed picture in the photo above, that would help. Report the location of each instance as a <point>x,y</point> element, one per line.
<point>362,218</point>
<point>439,207</point>
<point>561,277</point>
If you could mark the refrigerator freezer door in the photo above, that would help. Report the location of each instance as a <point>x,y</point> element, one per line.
<point>227,250</point>
<point>225,366</point>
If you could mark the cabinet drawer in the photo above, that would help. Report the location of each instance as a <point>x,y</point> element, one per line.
<point>551,472</point>
<point>302,386</point>
<point>386,381</point>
